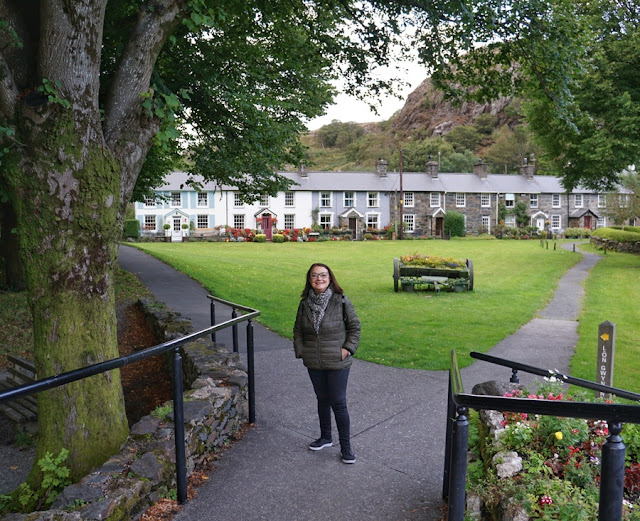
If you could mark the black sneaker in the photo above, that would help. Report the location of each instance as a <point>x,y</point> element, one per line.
<point>320,443</point>
<point>348,456</point>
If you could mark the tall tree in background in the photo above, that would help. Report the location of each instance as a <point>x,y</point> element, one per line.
<point>94,97</point>
<point>578,64</point>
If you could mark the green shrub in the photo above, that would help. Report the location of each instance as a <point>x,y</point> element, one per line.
<point>260,237</point>
<point>617,235</point>
<point>132,228</point>
<point>368,236</point>
<point>277,237</point>
<point>454,224</point>
<point>571,233</point>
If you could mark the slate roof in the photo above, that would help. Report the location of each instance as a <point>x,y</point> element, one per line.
<point>411,182</point>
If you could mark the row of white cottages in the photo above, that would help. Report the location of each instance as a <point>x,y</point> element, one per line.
<point>364,200</point>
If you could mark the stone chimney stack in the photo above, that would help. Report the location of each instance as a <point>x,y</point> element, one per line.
<point>381,167</point>
<point>480,169</point>
<point>528,168</point>
<point>432,168</point>
<point>303,170</point>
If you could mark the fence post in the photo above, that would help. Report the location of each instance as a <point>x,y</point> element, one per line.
<point>458,474</point>
<point>250,375</point>
<point>451,416</point>
<point>514,377</point>
<point>178,419</point>
<point>212,307</point>
<point>234,330</point>
<point>612,475</point>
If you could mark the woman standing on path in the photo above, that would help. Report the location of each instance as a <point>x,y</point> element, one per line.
<point>325,335</point>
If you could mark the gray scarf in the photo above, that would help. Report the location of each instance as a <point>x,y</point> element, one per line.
<point>318,305</point>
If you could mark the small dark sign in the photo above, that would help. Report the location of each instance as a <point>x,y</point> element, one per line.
<point>606,349</point>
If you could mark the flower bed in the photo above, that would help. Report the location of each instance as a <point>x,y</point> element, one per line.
<point>430,261</point>
<point>545,467</point>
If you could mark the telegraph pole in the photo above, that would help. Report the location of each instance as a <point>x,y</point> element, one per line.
<point>401,223</point>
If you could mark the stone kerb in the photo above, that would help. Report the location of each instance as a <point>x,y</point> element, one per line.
<point>143,471</point>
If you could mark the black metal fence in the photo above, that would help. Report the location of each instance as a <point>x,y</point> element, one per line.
<point>51,382</point>
<point>457,431</point>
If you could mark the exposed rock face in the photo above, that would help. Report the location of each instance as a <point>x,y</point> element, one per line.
<point>426,110</point>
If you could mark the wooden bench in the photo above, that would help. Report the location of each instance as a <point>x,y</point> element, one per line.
<point>25,409</point>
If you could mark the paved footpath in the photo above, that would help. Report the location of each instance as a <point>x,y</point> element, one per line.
<point>398,419</point>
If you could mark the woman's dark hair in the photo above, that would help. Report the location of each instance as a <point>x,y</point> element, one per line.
<point>333,283</point>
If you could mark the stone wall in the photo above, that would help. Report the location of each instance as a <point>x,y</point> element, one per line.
<point>609,244</point>
<point>215,407</point>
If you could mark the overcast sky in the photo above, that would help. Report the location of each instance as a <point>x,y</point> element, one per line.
<point>348,109</point>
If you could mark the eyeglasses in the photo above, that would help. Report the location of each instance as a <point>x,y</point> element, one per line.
<point>320,275</point>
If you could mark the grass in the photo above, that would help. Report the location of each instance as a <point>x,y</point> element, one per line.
<point>16,335</point>
<point>612,291</point>
<point>513,279</point>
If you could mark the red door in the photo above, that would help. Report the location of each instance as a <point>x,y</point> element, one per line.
<point>266,226</point>
<point>587,222</point>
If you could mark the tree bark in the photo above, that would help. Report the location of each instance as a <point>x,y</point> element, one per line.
<point>15,277</point>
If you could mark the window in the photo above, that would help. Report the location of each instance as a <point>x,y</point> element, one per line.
<point>176,199</point>
<point>555,222</point>
<point>325,199</point>
<point>264,200</point>
<point>434,199</point>
<point>149,222</point>
<point>372,199</point>
<point>486,224</point>
<point>203,221</point>
<point>238,221</point>
<point>510,221</point>
<point>150,201</point>
<point>237,201</point>
<point>373,221</point>
<point>289,221</point>
<point>577,199</point>
<point>349,200</point>
<point>408,199</point>
<point>602,200</point>
<point>203,199</point>
<point>461,200</point>
<point>555,200</point>
<point>409,222</point>
<point>533,200</point>
<point>288,199</point>
<point>325,221</point>
<point>624,200</point>
<point>485,200</point>
<point>509,200</point>
<point>601,222</point>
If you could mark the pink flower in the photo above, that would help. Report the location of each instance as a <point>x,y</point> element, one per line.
<point>546,500</point>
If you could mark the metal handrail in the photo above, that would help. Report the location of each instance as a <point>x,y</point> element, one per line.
<point>457,429</point>
<point>59,380</point>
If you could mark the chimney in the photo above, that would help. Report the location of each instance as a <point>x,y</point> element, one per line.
<point>528,168</point>
<point>381,167</point>
<point>432,168</point>
<point>303,170</point>
<point>480,169</point>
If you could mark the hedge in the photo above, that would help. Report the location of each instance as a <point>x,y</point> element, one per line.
<point>617,235</point>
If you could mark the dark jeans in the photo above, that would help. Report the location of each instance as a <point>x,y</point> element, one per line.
<point>331,391</point>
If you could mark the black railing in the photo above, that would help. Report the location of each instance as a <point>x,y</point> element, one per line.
<point>51,382</point>
<point>457,431</point>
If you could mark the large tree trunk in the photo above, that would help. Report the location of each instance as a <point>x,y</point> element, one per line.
<point>66,193</point>
<point>15,277</point>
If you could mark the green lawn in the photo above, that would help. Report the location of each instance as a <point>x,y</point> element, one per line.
<point>612,293</point>
<point>513,279</point>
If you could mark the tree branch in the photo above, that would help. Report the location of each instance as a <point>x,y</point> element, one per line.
<point>133,74</point>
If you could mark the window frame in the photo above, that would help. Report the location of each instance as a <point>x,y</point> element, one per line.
<point>485,200</point>
<point>556,201</point>
<point>509,200</point>
<point>199,200</point>
<point>345,199</point>
<point>324,198</point>
<point>406,197</point>
<point>328,218</point>
<point>289,217</point>
<point>410,220</point>
<point>461,200</point>
<point>534,201</point>
<point>237,200</point>
<point>602,201</point>
<point>438,195</point>
<point>147,227</point>
<point>555,223</point>
<point>289,198</point>
<point>150,201</point>
<point>204,216</point>
<point>577,204</point>
<point>375,215</point>
<point>237,217</point>
<point>373,199</point>
<point>176,200</point>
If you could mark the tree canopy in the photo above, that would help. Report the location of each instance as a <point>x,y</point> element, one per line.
<point>576,62</point>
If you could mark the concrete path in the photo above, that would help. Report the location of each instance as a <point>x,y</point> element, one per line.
<point>398,419</point>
